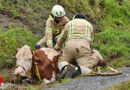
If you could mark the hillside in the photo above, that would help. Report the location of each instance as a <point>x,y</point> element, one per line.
<point>23,21</point>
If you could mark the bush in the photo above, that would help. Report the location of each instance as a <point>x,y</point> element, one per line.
<point>10,40</point>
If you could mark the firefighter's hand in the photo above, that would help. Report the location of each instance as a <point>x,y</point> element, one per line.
<point>56,48</point>
<point>37,46</point>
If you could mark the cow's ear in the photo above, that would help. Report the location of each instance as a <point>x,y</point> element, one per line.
<point>35,58</point>
<point>17,49</point>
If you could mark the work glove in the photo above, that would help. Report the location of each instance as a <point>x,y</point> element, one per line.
<point>55,41</point>
<point>37,46</point>
<point>69,71</point>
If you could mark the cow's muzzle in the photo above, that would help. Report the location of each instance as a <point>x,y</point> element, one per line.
<point>20,72</point>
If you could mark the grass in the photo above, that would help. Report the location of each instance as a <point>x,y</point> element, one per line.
<point>5,77</point>
<point>122,86</point>
<point>10,40</point>
<point>114,46</point>
<point>32,13</point>
<point>15,14</point>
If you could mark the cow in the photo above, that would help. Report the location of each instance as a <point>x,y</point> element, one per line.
<point>46,60</point>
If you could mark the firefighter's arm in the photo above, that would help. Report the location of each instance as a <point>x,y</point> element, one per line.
<point>61,39</point>
<point>92,32</point>
<point>48,34</point>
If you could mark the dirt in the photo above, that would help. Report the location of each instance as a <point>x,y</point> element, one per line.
<point>7,22</point>
<point>6,71</point>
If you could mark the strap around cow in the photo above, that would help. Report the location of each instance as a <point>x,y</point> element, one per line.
<point>37,72</point>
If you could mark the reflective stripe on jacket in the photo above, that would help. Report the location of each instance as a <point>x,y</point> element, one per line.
<point>76,28</point>
<point>86,35</point>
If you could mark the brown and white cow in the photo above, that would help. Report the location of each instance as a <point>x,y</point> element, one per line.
<point>46,59</point>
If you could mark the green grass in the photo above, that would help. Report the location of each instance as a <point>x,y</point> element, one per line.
<point>34,12</point>
<point>15,14</point>
<point>10,40</point>
<point>114,45</point>
<point>5,78</point>
<point>122,86</point>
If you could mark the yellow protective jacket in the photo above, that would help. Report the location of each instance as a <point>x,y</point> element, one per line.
<point>53,29</point>
<point>77,28</point>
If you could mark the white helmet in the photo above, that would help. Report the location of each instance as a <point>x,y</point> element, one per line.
<point>58,11</point>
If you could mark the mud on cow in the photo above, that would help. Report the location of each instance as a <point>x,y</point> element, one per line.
<point>46,60</point>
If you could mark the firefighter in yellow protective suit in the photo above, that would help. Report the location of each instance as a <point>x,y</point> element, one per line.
<point>78,34</point>
<point>54,25</point>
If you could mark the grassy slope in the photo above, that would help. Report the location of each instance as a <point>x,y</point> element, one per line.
<point>112,27</point>
<point>112,33</point>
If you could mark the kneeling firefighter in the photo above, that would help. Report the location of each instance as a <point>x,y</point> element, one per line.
<point>54,25</point>
<point>78,34</point>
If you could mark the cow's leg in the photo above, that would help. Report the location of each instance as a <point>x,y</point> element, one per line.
<point>99,59</point>
<point>112,69</point>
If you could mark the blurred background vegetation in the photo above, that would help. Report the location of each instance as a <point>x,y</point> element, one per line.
<point>23,22</point>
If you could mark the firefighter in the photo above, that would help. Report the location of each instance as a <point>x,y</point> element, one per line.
<point>78,35</point>
<point>54,25</point>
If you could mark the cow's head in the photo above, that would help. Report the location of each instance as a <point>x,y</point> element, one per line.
<point>23,61</point>
<point>46,59</point>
